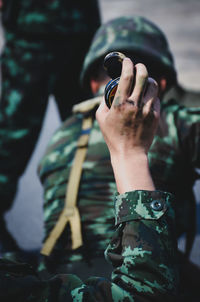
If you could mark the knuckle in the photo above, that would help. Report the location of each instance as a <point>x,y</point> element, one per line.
<point>142,71</point>
<point>127,75</point>
<point>153,83</point>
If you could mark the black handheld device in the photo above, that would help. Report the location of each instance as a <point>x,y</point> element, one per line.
<point>113,66</point>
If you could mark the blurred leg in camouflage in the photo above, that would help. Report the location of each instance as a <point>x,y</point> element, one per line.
<point>32,69</point>
<point>22,108</point>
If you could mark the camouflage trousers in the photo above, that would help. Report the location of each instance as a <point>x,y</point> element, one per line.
<point>33,68</point>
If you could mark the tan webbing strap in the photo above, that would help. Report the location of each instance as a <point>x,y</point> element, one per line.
<point>70,212</point>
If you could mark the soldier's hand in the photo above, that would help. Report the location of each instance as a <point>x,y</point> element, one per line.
<point>131,122</point>
<point>129,127</point>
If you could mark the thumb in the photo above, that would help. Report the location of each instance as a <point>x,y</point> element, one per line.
<point>102,111</point>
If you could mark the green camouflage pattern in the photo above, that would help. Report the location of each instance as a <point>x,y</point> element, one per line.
<point>173,157</point>
<point>51,17</point>
<point>35,66</point>
<point>142,252</point>
<point>131,35</point>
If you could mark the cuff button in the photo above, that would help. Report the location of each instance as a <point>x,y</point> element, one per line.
<point>157,205</point>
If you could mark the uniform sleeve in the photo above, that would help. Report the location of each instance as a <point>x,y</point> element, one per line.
<point>142,252</point>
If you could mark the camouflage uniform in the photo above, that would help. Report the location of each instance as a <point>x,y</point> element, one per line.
<point>173,155</point>
<point>42,56</point>
<point>142,252</point>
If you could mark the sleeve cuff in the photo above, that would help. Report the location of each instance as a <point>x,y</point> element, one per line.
<point>139,204</point>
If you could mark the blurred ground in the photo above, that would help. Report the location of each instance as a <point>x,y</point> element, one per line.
<point>179,19</point>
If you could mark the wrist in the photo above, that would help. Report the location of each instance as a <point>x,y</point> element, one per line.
<point>132,155</point>
<point>131,172</point>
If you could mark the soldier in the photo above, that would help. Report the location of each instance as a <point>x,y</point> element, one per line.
<point>77,157</point>
<point>42,56</point>
<point>143,249</point>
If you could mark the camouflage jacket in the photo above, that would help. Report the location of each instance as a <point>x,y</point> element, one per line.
<point>173,157</point>
<point>142,252</point>
<point>51,17</point>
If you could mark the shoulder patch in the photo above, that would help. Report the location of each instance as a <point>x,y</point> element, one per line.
<point>86,106</point>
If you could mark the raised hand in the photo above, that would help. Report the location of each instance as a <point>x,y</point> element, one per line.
<point>130,124</point>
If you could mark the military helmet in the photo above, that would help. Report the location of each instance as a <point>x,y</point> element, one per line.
<point>131,35</point>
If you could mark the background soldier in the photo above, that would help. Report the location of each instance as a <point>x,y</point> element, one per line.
<point>42,56</point>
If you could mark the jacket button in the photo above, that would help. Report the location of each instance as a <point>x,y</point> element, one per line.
<point>157,205</point>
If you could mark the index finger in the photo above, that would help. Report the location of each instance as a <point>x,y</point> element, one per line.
<point>125,83</point>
